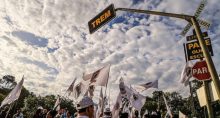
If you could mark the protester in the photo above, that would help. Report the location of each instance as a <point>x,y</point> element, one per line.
<point>68,115</point>
<point>107,113</point>
<point>58,115</point>
<point>64,115</point>
<point>75,115</point>
<point>39,113</point>
<point>136,113</point>
<point>44,113</point>
<point>124,115</point>
<point>85,108</point>
<point>51,114</point>
<point>19,114</point>
<point>158,113</point>
<point>4,112</point>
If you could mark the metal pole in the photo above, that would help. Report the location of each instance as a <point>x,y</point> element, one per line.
<point>181,16</point>
<point>207,95</point>
<point>207,56</point>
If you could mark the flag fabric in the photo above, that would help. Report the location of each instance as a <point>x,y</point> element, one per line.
<point>122,101</point>
<point>14,94</point>
<point>186,74</point>
<point>116,107</point>
<point>91,90</point>
<point>80,90</point>
<point>181,115</point>
<point>71,87</point>
<point>137,100</point>
<point>57,104</point>
<point>99,77</point>
<point>168,108</point>
<point>148,85</point>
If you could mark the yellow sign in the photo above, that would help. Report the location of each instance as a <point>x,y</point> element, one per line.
<point>102,18</point>
<point>194,50</point>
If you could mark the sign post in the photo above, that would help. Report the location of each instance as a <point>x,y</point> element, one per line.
<point>102,18</point>
<point>200,71</point>
<point>197,13</point>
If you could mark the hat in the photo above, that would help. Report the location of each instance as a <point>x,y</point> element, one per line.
<point>84,102</point>
<point>107,110</point>
<point>40,107</point>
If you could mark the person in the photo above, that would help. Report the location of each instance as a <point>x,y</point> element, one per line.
<point>124,115</point>
<point>68,114</point>
<point>63,115</point>
<point>85,108</point>
<point>4,112</point>
<point>19,114</point>
<point>75,115</point>
<point>51,114</point>
<point>107,113</point>
<point>44,113</point>
<point>158,113</point>
<point>136,113</point>
<point>60,112</point>
<point>154,114</point>
<point>38,114</point>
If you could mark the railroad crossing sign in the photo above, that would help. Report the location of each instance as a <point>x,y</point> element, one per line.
<point>102,18</point>
<point>200,71</point>
<point>193,37</point>
<point>201,22</point>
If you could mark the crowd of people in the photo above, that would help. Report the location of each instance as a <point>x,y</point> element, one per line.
<point>40,113</point>
<point>85,109</point>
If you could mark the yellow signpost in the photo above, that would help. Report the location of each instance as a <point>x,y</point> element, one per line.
<point>194,50</point>
<point>102,18</point>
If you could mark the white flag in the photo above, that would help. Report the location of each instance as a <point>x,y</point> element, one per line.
<point>57,104</point>
<point>71,87</point>
<point>99,77</point>
<point>116,107</point>
<point>148,85</point>
<point>14,94</point>
<point>186,74</point>
<point>181,115</point>
<point>168,108</point>
<point>137,100</point>
<point>80,89</point>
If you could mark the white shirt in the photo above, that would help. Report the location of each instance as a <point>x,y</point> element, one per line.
<point>82,116</point>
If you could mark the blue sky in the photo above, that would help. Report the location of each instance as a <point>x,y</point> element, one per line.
<point>48,42</point>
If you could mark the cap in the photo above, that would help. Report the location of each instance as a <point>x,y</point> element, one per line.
<point>84,102</point>
<point>40,107</point>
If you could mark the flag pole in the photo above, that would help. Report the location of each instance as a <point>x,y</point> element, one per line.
<point>107,80</point>
<point>9,110</point>
<point>109,98</point>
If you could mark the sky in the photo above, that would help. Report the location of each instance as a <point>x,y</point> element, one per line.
<point>48,41</point>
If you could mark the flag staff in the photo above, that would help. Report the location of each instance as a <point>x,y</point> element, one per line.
<point>9,109</point>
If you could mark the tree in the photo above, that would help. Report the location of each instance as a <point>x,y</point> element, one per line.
<point>8,81</point>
